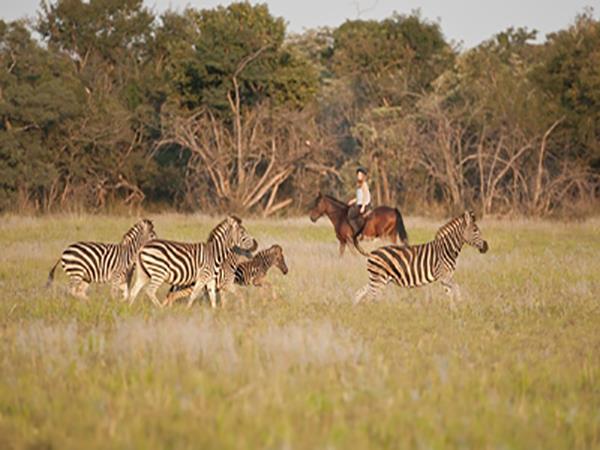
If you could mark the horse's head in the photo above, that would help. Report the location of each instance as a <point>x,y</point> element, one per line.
<point>319,208</point>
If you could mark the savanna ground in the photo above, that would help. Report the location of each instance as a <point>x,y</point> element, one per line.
<point>515,366</point>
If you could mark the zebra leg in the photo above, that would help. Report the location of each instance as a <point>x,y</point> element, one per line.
<point>151,290</point>
<point>124,291</point>
<point>140,281</point>
<point>200,283</point>
<point>372,290</point>
<point>174,295</point>
<point>360,294</point>
<point>118,284</point>
<point>452,290</point>
<point>211,286</point>
<point>79,288</point>
<point>269,286</point>
<point>449,285</point>
<point>238,294</point>
<point>115,287</point>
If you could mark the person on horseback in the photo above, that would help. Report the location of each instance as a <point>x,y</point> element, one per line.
<point>361,204</point>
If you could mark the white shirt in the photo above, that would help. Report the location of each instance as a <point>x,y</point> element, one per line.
<point>363,199</point>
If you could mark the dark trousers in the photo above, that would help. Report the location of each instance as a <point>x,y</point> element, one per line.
<point>356,219</point>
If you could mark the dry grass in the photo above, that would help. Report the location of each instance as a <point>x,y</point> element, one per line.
<point>516,365</point>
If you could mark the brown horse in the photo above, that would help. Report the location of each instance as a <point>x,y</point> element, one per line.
<point>382,222</point>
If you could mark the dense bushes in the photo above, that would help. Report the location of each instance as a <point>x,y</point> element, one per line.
<point>220,110</point>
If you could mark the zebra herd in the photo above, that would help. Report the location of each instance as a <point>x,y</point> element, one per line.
<point>217,264</point>
<point>187,267</point>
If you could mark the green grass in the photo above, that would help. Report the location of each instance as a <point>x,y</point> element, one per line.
<point>515,366</point>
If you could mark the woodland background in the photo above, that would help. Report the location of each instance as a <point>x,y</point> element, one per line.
<point>105,105</point>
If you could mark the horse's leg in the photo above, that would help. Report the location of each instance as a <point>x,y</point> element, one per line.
<point>342,248</point>
<point>391,231</point>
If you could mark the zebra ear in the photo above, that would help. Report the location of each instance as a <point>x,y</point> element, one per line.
<point>470,216</point>
<point>236,219</point>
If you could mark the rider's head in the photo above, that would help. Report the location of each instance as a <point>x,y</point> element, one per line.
<point>361,174</point>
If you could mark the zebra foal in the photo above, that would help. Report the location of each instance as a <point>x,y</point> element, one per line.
<point>417,265</point>
<point>254,271</point>
<point>196,264</point>
<point>243,273</point>
<point>97,262</point>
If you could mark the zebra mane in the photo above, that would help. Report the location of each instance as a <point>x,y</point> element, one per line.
<point>266,252</point>
<point>221,229</point>
<point>457,223</point>
<point>134,232</point>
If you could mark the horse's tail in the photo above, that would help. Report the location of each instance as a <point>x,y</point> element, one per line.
<point>358,247</point>
<point>51,274</point>
<point>400,227</point>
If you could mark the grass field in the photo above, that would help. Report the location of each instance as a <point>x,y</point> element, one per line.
<point>515,366</point>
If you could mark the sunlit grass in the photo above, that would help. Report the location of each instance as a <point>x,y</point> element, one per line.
<point>515,365</point>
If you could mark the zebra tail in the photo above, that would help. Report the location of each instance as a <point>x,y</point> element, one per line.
<point>51,274</point>
<point>400,228</point>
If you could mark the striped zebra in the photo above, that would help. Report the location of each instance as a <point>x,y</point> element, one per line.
<point>422,264</point>
<point>96,262</point>
<point>243,273</point>
<point>198,264</point>
<point>254,271</point>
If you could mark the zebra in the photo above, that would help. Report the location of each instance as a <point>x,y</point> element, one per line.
<point>198,264</point>
<point>243,273</point>
<point>254,271</point>
<point>422,264</point>
<point>96,262</point>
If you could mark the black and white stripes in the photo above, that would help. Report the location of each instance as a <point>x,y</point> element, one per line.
<point>245,273</point>
<point>255,270</point>
<point>200,264</point>
<point>96,262</point>
<point>418,265</point>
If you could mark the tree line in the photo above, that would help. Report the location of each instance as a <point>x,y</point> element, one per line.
<point>105,104</point>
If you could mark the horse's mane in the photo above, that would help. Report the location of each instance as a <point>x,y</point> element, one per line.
<point>336,201</point>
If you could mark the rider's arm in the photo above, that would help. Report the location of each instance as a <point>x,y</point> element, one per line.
<point>352,202</point>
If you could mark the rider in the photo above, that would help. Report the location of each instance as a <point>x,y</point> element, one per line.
<point>361,204</point>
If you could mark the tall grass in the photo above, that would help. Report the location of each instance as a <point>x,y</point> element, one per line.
<point>515,365</point>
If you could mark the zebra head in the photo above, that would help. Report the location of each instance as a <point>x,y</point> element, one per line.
<point>238,236</point>
<point>279,259</point>
<point>139,234</point>
<point>472,234</point>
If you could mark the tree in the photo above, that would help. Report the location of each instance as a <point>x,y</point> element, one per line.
<point>569,75</point>
<point>239,50</point>
<point>40,99</point>
<point>237,84</point>
<point>389,61</point>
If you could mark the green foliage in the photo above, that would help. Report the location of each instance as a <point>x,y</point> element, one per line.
<point>569,74</point>
<point>245,42</point>
<point>390,59</point>
<point>480,79</point>
<point>86,111</point>
<point>40,99</point>
<point>113,30</point>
